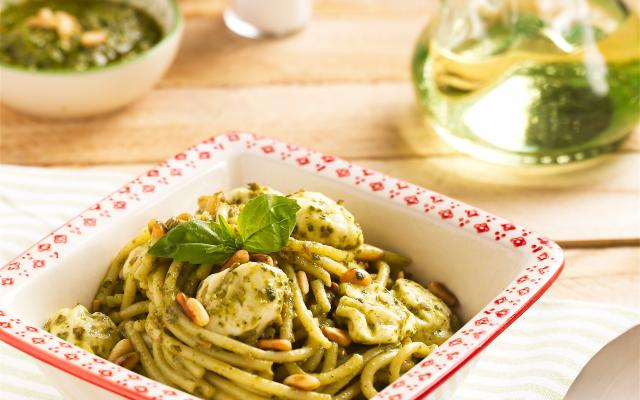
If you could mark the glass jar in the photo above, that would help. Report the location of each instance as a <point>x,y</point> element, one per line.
<point>530,81</point>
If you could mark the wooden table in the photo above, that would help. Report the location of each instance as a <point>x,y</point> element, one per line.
<point>342,87</point>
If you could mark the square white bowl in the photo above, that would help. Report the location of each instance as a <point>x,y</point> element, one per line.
<point>497,269</point>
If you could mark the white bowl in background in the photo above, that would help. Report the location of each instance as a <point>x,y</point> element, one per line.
<point>497,269</point>
<point>73,94</point>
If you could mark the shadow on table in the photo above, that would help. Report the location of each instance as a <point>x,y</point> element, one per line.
<point>442,159</point>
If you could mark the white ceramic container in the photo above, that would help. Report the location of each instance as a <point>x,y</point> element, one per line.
<point>71,94</point>
<point>496,268</point>
<point>267,18</point>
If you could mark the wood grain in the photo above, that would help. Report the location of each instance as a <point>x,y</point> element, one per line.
<point>354,121</point>
<point>600,275</point>
<point>330,50</point>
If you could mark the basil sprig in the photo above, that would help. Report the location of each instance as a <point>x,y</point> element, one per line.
<point>265,224</point>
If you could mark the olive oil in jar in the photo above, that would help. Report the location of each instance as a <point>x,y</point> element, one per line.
<point>531,81</point>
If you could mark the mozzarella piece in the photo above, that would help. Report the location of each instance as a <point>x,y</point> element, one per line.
<point>95,332</point>
<point>130,264</point>
<point>434,316</point>
<point>323,220</point>
<point>244,301</point>
<point>242,194</point>
<point>374,315</point>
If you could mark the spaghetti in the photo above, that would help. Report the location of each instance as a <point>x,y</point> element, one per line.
<point>312,320</point>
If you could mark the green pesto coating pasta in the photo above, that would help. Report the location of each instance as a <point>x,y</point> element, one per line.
<point>140,291</point>
<point>108,282</point>
<point>304,315</point>
<point>405,353</point>
<point>395,260</point>
<point>349,368</point>
<point>113,300</point>
<point>294,368</point>
<point>129,294</point>
<point>330,265</point>
<point>238,360</point>
<point>320,294</point>
<point>311,268</point>
<point>194,369</point>
<point>239,347</point>
<point>335,387</point>
<point>374,365</point>
<point>146,358</point>
<point>308,247</point>
<point>312,362</point>
<point>170,372</point>
<point>382,276</point>
<point>253,382</point>
<point>330,358</point>
<point>286,329</point>
<point>196,277</point>
<point>224,395</point>
<point>145,266</point>
<point>350,392</point>
<point>228,386</point>
<point>131,311</point>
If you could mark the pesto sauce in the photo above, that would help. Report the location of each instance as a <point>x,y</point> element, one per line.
<point>129,32</point>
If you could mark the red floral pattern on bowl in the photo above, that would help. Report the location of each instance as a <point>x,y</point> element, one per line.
<point>544,263</point>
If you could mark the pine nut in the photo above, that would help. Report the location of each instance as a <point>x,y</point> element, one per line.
<point>128,360</point>
<point>263,258</point>
<point>66,25</point>
<point>335,288</point>
<point>184,217</point>
<point>356,276</point>
<point>303,282</point>
<point>211,203</point>
<point>441,291</point>
<point>93,38</point>
<point>367,252</point>
<point>181,299</point>
<point>238,258</point>
<point>193,309</point>
<point>95,305</point>
<point>121,348</point>
<point>275,344</point>
<point>337,335</point>
<point>302,381</point>
<point>45,19</point>
<point>156,229</point>
<point>197,312</point>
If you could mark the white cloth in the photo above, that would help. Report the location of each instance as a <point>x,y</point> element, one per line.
<point>537,358</point>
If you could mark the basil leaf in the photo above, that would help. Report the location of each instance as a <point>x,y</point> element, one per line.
<point>225,232</point>
<point>265,225</point>
<point>197,242</point>
<point>266,222</point>
<point>199,253</point>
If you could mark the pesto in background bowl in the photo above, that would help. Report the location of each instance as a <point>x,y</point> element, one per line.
<point>68,93</point>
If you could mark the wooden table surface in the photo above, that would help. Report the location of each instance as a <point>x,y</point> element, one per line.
<point>342,86</point>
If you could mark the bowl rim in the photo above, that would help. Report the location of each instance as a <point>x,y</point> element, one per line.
<point>545,261</point>
<point>175,30</point>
